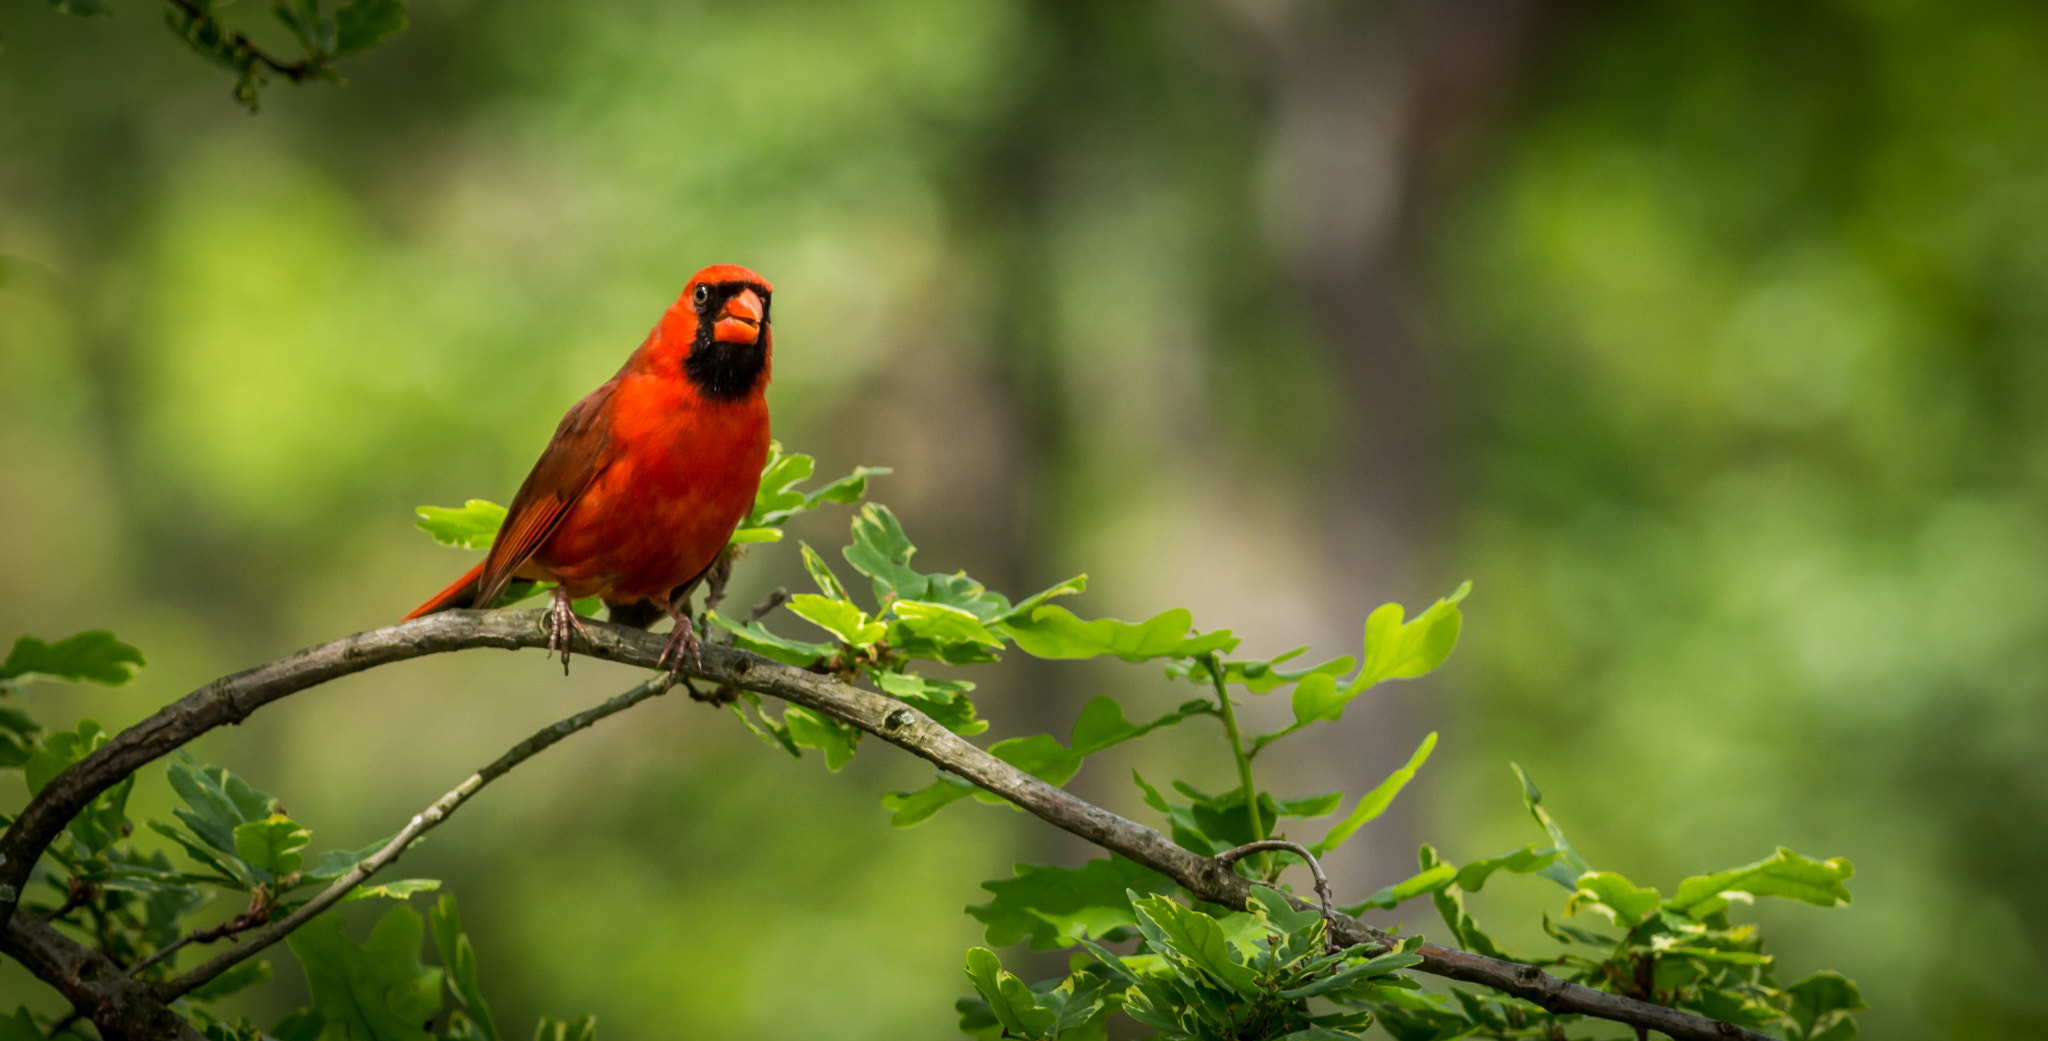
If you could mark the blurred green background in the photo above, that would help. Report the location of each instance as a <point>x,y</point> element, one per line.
<point>1707,339</point>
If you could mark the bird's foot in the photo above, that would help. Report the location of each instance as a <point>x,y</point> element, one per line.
<point>563,626</point>
<point>683,641</point>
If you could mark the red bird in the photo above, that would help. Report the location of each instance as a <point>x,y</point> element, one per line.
<point>646,478</point>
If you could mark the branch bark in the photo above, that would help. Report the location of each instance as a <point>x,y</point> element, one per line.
<point>57,959</point>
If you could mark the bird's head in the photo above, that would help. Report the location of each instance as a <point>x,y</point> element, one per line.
<point>726,308</point>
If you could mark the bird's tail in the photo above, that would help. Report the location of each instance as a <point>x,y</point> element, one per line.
<point>462,593</point>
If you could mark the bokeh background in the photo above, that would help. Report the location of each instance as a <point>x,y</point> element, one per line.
<point>1707,339</point>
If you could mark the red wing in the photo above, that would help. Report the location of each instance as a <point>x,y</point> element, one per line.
<point>580,449</point>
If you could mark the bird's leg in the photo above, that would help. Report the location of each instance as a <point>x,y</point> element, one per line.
<point>716,577</point>
<point>680,642</point>
<point>562,625</point>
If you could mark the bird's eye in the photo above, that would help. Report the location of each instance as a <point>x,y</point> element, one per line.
<point>703,295</point>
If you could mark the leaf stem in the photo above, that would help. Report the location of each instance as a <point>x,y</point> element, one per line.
<point>1244,761</point>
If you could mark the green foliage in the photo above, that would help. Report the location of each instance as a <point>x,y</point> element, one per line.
<point>1199,971</point>
<point>94,655</point>
<point>1376,801</point>
<point>353,27</point>
<point>1248,974</point>
<point>378,990</point>
<point>1057,907</point>
<point>472,525</point>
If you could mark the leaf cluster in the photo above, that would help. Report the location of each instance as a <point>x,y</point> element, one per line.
<point>322,35</point>
<point>1197,976</point>
<point>141,909</point>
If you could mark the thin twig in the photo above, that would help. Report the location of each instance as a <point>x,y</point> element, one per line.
<point>76,895</point>
<point>775,599</point>
<point>1232,856</point>
<point>422,823</point>
<point>261,907</point>
<point>714,586</point>
<point>297,71</point>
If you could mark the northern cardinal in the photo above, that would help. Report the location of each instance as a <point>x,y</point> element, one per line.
<point>645,479</point>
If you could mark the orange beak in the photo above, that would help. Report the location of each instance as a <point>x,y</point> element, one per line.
<point>740,322</point>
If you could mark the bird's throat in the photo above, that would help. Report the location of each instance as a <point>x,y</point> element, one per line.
<point>724,371</point>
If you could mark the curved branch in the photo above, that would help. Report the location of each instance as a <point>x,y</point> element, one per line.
<point>232,699</point>
<point>1324,899</point>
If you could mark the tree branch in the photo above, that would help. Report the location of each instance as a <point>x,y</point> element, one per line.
<point>233,698</point>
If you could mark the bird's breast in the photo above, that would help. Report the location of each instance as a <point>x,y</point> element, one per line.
<point>681,476</point>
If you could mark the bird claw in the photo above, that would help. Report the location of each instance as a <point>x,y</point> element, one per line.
<point>680,642</point>
<point>563,626</point>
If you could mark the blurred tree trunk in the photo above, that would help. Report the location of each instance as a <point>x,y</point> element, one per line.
<point>1350,110</point>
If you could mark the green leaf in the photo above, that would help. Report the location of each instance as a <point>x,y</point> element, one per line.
<point>1007,996</point>
<point>778,499</point>
<point>231,872</point>
<point>458,958</point>
<point>1527,860</point>
<point>21,1026</point>
<point>1316,698</point>
<point>777,492</point>
<point>847,489</point>
<point>1264,675</point>
<point>1375,802</point>
<point>219,802</point>
<point>17,738</point>
<point>1052,631</point>
<point>1383,965</point>
<point>881,551</point>
<point>377,991</point>
<point>1622,901</point>
<point>1076,584</point>
<point>301,1025</point>
<point>1102,725</point>
<point>1040,755</point>
<point>1450,906</point>
<point>751,636</point>
<point>811,729</point>
<point>1310,806</point>
<point>1197,938</point>
<point>943,623</point>
<point>958,590</point>
<point>362,24</point>
<point>272,845</point>
<point>821,573</point>
<point>1430,880</point>
<point>241,977</point>
<point>1394,650</point>
<point>744,536</point>
<point>473,525</point>
<point>1565,932</point>
<point>1569,865</point>
<point>394,890</point>
<point>1784,874</point>
<point>916,807</point>
<point>92,655</point>
<point>59,751</point>
<point>1055,906</point>
<point>314,32</point>
<point>1823,1001</point>
<point>838,617</point>
<point>104,821</point>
